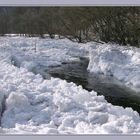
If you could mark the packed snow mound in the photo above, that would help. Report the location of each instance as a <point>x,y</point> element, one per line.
<point>118,61</point>
<point>35,105</point>
<point>33,53</point>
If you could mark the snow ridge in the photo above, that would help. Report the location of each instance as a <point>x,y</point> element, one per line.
<point>119,61</point>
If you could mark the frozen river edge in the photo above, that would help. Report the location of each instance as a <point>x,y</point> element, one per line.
<point>34,105</point>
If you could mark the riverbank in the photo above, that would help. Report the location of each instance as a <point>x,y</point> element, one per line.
<point>121,62</point>
<point>32,105</point>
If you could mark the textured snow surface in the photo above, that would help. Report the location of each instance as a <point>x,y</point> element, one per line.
<point>32,52</point>
<point>34,105</point>
<point>118,61</point>
<point>29,104</point>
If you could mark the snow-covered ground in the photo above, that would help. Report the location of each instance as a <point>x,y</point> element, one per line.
<point>29,104</point>
<point>122,62</point>
<point>32,52</point>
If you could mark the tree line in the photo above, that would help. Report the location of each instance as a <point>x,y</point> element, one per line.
<point>108,24</point>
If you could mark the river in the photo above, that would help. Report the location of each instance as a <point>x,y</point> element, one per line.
<point>113,90</point>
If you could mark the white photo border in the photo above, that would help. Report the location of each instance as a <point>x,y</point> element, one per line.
<point>69,2</point>
<point>22,3</point>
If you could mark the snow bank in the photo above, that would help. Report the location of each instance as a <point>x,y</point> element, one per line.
<point>36,54</point>
<point>34,105</point>
<point>120,62</point>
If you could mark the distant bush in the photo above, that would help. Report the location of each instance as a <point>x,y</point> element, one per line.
<point>109,24</point>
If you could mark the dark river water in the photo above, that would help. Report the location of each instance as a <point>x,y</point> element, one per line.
<point>114,91</point>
